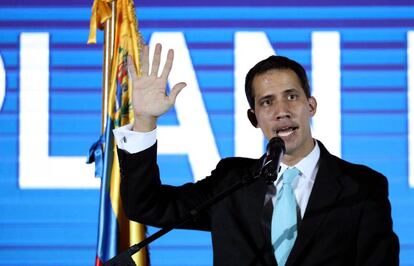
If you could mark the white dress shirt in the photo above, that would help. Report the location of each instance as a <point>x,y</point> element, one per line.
<point>302,185</point>
<point>133,142</point>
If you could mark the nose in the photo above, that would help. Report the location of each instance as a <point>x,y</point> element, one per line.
<point>281,110</point>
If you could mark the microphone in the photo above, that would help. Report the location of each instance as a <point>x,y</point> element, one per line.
<point>274,153</point>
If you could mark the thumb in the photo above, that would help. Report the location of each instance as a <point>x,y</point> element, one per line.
<point>175,91</point>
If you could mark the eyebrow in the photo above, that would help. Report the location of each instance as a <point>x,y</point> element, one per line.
<point>290,90</point>
<point>266,97</point>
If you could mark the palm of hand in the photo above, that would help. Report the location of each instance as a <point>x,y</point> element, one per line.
<point>149,96</point>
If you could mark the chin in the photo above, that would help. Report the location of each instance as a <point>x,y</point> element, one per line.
<point>291,148</point>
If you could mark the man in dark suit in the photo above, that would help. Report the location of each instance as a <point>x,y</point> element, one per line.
<point>340,215</point>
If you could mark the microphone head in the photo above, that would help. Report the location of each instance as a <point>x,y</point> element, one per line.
<point>275,144</point>
<point>275,151</point>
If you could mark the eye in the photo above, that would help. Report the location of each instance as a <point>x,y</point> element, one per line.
<point>265,102</point>
<point>292,97</point>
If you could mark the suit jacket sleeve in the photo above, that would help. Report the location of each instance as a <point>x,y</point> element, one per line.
<point>377,244</point>
<point>147,201</point>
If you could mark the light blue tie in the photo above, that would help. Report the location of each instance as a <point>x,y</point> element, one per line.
<point>284,218</point>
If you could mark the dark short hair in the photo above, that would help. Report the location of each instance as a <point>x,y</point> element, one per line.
<point>275,62</point>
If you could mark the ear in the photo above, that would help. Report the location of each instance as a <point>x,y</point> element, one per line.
<point>252,117</point>
<point>312,105</point>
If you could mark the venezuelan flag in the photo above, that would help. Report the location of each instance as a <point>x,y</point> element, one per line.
<point>116,233</point>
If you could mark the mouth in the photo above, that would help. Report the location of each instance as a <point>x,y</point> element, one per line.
<point>285,131</point>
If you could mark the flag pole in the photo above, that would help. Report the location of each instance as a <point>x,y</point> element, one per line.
<point>108,52</point>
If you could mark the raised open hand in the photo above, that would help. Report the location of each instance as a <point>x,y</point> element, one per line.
<point>149,96</point>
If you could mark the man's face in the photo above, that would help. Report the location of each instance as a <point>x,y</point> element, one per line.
<point>282,109</point>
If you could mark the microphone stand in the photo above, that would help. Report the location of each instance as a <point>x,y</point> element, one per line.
<point>124,258</point>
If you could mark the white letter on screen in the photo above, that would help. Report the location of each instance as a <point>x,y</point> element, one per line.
<point>37,170</point>
<point>326,87</point>
<point>194,135</point>
<point>250,48</point>
<point>410,81</point>
<point>2,82</point>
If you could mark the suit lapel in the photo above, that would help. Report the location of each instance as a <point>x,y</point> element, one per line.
<point>324,194</point>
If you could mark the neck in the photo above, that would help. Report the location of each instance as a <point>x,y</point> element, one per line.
<point>291,159</point>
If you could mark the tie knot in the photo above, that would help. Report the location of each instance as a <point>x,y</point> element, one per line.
<point>290,174</point>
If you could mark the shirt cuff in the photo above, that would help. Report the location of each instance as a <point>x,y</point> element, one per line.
<point>132,141</point>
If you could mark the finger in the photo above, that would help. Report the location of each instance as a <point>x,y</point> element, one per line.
<point>175,91</point>
<point>156,60</point>
<point>168,64</point>
<point>132,73</point>
<point>145,61</point>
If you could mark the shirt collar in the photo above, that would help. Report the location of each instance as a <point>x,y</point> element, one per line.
<point>306,166</point>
